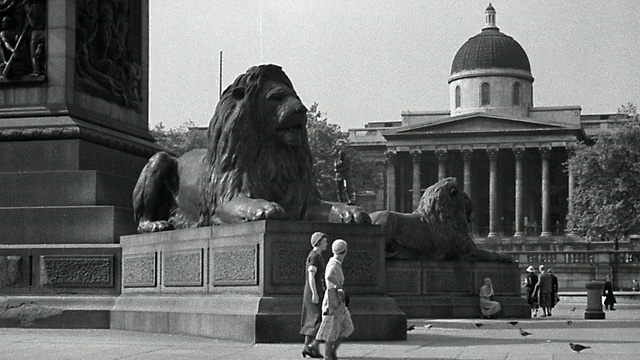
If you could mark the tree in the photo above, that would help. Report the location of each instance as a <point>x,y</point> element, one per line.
<point>179,140</point>
<point>606,199</point>
<point>325,140</point>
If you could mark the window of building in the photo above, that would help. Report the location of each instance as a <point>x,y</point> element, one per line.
<point>516,94</point>
<point>485,94</point>
<point>458,97</point>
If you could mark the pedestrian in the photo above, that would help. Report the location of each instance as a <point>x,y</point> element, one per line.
<point>544,292</point>
<point>336,323</point>
<point>607,292</point>
<point>488,306</point>
<point>634,285</point>
<point>530,283</point>
<point>313,295</point>
<point>554,288</point>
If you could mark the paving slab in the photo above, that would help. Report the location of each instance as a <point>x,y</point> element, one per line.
<point>616,337</point>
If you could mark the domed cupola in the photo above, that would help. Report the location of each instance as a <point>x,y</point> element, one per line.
<point>491,73</point>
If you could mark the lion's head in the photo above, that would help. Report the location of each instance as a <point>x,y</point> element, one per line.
<point>444,202</point>
<point>258,145</point>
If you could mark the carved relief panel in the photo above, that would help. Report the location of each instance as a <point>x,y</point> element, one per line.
<point>22,41</point>
<point>108,50</point>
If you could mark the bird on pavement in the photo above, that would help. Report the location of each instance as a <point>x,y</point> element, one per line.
<point>578,347</point>
<point>573,309</point>
<point>524,333</point>
<point>428,326</point>
<point>479,324</point>
<point>513,323</point>
<point>411,327</point>
<point>569,322</point>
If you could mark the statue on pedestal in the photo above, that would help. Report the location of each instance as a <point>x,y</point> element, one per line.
<point>257,165</point>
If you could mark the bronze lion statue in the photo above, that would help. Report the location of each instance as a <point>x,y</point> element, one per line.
<point>437,230</point>
<point>257,165</point>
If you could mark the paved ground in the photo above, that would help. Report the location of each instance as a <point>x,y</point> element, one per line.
<point>616,337</point>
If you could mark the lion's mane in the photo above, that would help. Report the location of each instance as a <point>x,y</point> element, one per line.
<point>244,157</point>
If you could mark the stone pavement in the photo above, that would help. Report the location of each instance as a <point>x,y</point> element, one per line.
<point>616,337</point>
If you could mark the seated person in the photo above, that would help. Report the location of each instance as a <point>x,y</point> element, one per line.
<point>488,307</point>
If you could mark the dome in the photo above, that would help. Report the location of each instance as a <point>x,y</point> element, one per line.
<point>490,49</point>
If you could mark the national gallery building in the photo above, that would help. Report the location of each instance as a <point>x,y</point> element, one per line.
<point>507,154</point>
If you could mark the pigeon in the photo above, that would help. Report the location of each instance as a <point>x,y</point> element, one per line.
<point>578,347</point>
<point>569,322</point>
<point>411,327</point>
<point>428,326</point>
<point>479,324</point>
<point>524,333</point>
<point>573,309</point>
<point>513,323</point>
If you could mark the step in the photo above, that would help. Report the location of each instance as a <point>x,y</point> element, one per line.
<point>65,224</point>
<point>65,188</point>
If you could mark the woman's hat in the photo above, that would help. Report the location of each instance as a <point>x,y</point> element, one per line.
<point>531,269</point>
<point>339,246</point>
<point>317,237</point>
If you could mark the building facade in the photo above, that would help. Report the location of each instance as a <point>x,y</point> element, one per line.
<point>507,154</point>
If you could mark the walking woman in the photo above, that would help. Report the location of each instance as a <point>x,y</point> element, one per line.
<point>312,296</point>
<point>336,323</point>
<point>530,283</point>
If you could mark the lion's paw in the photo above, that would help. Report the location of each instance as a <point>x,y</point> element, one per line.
<point>344,213</point>
<point>154,226</point>
<point>263,209</point>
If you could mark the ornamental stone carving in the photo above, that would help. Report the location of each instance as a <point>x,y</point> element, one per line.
<point>22,41</point>
<point>76,271</point>
<point>235,266</point>
<point>182,268</point>
<point>139,270</point>
<point>108,48</point>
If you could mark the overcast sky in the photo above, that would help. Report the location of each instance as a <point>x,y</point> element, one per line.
<point>368,60</point>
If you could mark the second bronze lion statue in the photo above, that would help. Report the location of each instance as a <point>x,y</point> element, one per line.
<point>437,230</point>
<point>258,165</point>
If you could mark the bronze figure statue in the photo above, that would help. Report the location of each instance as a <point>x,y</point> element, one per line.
<point>343,185</point>
<point>437,230</point>
<point>257,165</point>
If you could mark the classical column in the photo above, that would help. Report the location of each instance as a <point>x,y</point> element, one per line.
<point>519,156</point>
<point>545,153</point>
<point>391,180</point>
<point>493,192</point>
<point>416,156</point>
<point>442,164</point>
<point>570,200</point>
<point>467,156</point>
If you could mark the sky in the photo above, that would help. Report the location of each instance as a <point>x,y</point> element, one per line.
<point>369,60</point>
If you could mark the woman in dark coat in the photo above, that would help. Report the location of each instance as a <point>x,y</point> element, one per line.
<point>313,294</point>
<point>607,292</point>
<point>530,283</point>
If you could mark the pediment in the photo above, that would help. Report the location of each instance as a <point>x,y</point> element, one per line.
<point>477,124</point>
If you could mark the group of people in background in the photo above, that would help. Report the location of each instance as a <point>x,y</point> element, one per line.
<point>325,316</point>
<point>542,290</point>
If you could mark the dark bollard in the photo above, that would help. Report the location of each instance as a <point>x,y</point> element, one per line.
<point>594,300</point>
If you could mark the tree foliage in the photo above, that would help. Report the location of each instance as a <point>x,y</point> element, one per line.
<point>606,199</point>
<point>179,140</point>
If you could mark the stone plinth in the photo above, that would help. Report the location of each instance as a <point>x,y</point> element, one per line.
<point>245,281</point>
<point>450,289</point>
<point>594,300</point>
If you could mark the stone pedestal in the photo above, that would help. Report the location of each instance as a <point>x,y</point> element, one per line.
<point>245,281</point>
<point>450,289</point>
<point>594,300</point>
<point>73,139</point>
